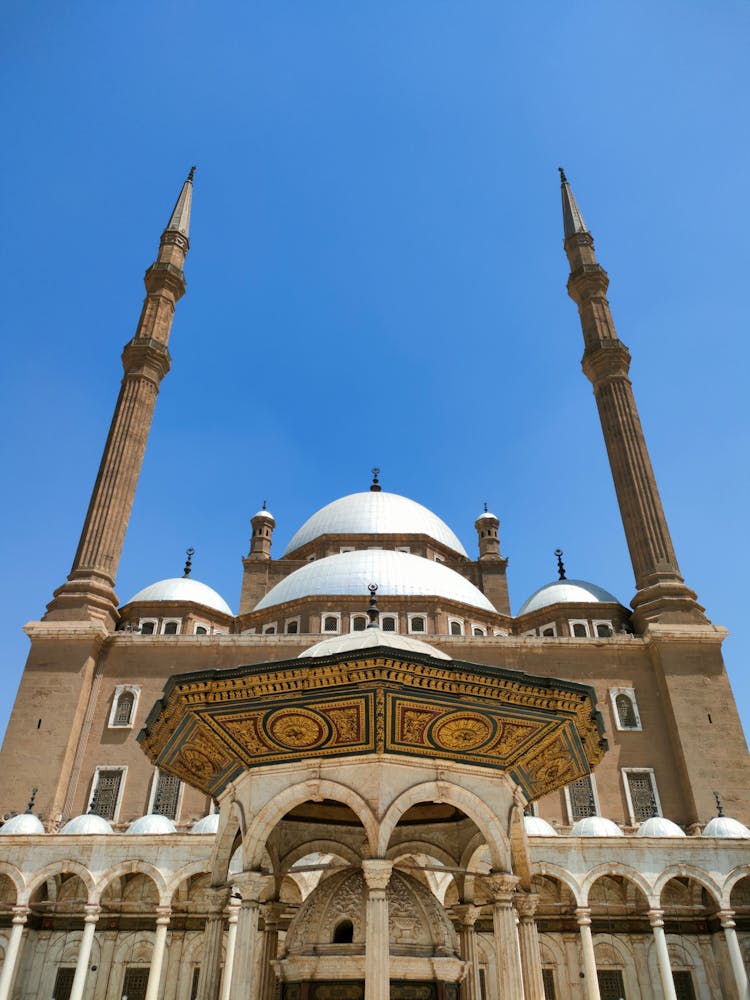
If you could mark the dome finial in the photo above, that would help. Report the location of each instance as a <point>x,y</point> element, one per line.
<point>372,612</point>
<point>375,485</point>
<point>188,562</point>
<point>719,806</point>
<point>264,506</point>
<point>486,508</point>
<point>30,806</point>
<point>94,804</point>
<point>560,565</point>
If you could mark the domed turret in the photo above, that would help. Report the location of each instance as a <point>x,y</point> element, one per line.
<point>487,525</point>
<point>566,592</point>
<point>182,590</point>
<point>260,542</point>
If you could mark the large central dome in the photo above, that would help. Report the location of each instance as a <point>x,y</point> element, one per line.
<point>374,513</point>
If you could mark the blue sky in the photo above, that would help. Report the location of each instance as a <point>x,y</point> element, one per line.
<point>376,276</point>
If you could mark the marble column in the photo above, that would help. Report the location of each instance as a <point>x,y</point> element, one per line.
<point>226,978</point>
<point>467,914</point>
<point>269,949</point>
<point>377,873</point>
<point>735,954</point>
<point>656,919</point>
<point>84,952</point>
<point>213,939</point>
<point>590,980</point>
<point>528,937</point>
<point>163,914</point>
<point>251,886</point>
<point>20,913</point>
<point>509,974</point>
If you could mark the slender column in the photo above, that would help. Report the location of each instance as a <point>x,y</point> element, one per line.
<point>509,974</point>
<point>20,914</point>
<point>590,981</point>
<point>84,952</point>
<point>244,981</point>
<point>163,914</point>
<point>226,979</point>
<point>377,872</point>
<point>528,937</point>
<point>656,918</point>
<point>735,954</point>
<point>467,916</point>
<point>213,938</point>
<point>269,949</point>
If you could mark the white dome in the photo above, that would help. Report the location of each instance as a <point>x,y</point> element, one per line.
<point>659,826</point>
<point>209,824</point>
<point>566,592</point>
<point>725,826</point>
<point>370,637</point>
<point>375,514</point>
<point>185,590</point>
<point>396,574</point>
<point>87,824</point>
<point>153,823</point>
<point>535,826</point>
<point>24,823</point>
<point>596,826</point>
<point>264,513</point>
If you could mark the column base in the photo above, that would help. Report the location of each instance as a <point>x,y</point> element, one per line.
<point>669,602</point>
<point>84,597</point>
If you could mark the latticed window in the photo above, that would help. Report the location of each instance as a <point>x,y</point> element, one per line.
<point>330,624</point>
<point>359,624</point>
<point>124,710</point>
<point>611,984</point>
<point>642,795</point>
<point>683,985</point>
<point>417,624</point>
<point>106,793</point>
<point>548,981</point>
<point>135,983</point>
<point>626,712</point>
<point>582,799</point>
<point>166,795</point>
<point>63,984</point>
<point>388,625</point>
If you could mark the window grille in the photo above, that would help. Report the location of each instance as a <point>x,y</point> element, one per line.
<point>104,802</point>
<point>135,983</point>
<point>642,795</point>
<point>548,981</point>
<point>626,712</point>
<point>166,795</point>
<point>683,985</point>
<point>417,625</point>
<point>124,711</point>
<point>359,624</point>
<point>330,624</point>
<point>582,799</point>
<point>389,625</point>
<point>63,984</point>
<point>611,984</point>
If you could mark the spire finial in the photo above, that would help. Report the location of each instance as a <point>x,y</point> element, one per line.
<point>179,220</point>
<point>719,806</point>
<point>191,175</point>
<point>372,611</point>
<point>188,562</point>
<point>30,806</point>
<point>572,219</point>
<point>486,508</point>
<point>375,486</point>
<point>560,564</point>
<point>264,506</point>
<point>563,178</point>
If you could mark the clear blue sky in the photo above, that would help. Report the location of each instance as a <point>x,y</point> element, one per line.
<point>376,276</point>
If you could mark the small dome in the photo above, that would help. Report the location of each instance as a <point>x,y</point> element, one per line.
<point>396,574</point>
<point>376,513</point>
<point>659,826</point>
<point>24,823</point>
<point>596,826</point>
<point>369,638</point>
<point>209,824</point>
<point>185,590</point>
<point>266,514</point>
<point>153,823</point>
<point>488,515</point>
<point>87,824</point>
<point>537,827</point>
<point>566,592</point>
<point>725,826</point>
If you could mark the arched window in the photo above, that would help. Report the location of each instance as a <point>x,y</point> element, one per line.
<point>626,712</point>
<point>478,631</point>
<point>330,623</point>
<point>147,628</point>
<point>201,630</point>
<point>417,625</point>
<point>359,624</point>
<point>292,628</point>
<point>124,710</point>
<point>269,630</point>
<point>388,624</point>
<point>579,630</point>
<point>170,628</point>
<point>343,932</point>
<point>456,627</point>
<point>603,630</point>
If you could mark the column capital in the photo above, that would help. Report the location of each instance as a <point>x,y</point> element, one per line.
<point>91,913</point>
<point>502,885</point>
<point>251,885</point>
<point>656,918</point>
<point>272,911</point>
<point>727,919</point>
<point>377,873</point>
<point>466,913</point>
<point>583,916</point>
<point>217,898</point>
<point>526,904</point>
<point>163,915</point>
<point>20,914</point>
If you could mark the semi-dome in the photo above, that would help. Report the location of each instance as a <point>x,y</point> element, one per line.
<point>535,826</point>
<point>660,826</point>
<point>396,574</point>
<point>152,823</point>
<point>24,823</point>
<point>87,824</point>
<point>725,826</point>
<point>209,824</point>
<point>596,826</point>
<point>567,592</point>
<point>369,638</point>
<point>184,590</point>
<point>374,513</point>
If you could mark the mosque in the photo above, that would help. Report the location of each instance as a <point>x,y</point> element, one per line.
<point>374,780</point>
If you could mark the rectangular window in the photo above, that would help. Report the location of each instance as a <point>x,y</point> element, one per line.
<point>548,981</point>
<point>683,985</point>
<point>611,984</point>
<point>194,984</point>
<point>135,983</point>
<point>166,795</point>
<point>640,790</point>
<point>106,795</point>
<point>63,984</point>
<point>581,799</point>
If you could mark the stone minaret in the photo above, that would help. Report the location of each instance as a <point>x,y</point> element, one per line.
<point>88,593</point>
<point>661,594</point>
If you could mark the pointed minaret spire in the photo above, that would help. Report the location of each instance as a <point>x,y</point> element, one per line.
<point>661,594</point>
<point>572,218</point>
<point>179,221</point>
